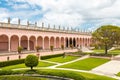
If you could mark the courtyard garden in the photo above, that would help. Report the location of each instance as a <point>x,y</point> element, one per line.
<point>14,71</point>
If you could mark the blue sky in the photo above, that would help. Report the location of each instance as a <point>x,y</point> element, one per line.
<point>82,14</point>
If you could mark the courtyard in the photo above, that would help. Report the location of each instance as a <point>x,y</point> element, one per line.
<point>69,66</point>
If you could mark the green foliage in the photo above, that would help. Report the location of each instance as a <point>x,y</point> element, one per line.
<point>12,62</point>
<point>62,47</point>
<point>31,61</point>
<point>20,78</point>
<point>51,56</point>
<point>106,36</point>
<point>51,48</point>
<point>6,72</point>
<point>37,48</point>
<point>20,49</point>
<point>61,73</point>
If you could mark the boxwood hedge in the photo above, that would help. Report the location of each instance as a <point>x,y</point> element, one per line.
<point>12,62</point>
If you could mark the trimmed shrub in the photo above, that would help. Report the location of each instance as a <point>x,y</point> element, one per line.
<point>12,62</point>
<point>6,72</point>
<point>50,56</point>
<point>31,61</point>
<point>20,49</point>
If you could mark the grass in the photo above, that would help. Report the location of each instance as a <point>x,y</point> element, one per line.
<point>61,59</point>
<point>41,64</point>
<point>86,64</point>
<point>110,52</point>
<point>20,78</point>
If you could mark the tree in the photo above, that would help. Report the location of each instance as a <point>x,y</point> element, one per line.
<point>20,49</point>
<point>31,61</point>
<point>107,35</point>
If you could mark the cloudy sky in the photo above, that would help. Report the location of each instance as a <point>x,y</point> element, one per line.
<point>82,14</point>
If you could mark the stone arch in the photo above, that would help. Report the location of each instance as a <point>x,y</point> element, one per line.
<point>81,42</point>
<point>71,41</point>
<point>40,41</point>
<point>24,42</point>
<point>77,42</point>
<point>32,42</point>
<point>62,41</point>
<point>74,42</point>
<point>67,42</point>
<point>85,41</point>
<point>52,40</point>
<point>14,41</point>
<point>4,42</point>
<point>46,43</point>
<point>57,42</point>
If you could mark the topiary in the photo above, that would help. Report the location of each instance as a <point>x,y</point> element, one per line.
<point>31,61</point>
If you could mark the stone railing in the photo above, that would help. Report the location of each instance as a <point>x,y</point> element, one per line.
<point>34,27</point>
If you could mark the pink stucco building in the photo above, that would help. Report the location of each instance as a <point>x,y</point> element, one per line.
<point>28,36</point>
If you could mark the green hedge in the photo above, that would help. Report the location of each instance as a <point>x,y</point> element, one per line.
<point>60,73</point>
<point>51,56</point>
<point>12,62</point>
<point>20,78</point>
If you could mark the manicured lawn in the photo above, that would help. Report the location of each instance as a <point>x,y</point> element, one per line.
<point>86,64</point>
<point>99,51</point>
<point>114,52</point>
<point>110,52</point>
<point>62,60</point>
<point>20,78</point>
<point>41,64</point>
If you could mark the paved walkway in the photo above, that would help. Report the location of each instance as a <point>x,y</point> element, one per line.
<point>109,68</point>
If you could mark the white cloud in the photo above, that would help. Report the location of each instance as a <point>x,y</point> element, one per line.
<point>69,12</point>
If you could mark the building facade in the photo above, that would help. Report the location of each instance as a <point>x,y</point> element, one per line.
<point>28,36</point>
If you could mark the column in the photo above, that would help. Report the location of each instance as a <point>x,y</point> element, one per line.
<point>55,43</point>
<point>64,43</point>
<point>69,42</point>
<point>9,44</point>
<point>43,43</point>
<point>49,43</point>
<point>60,43</point>
<point>19,41</point>
<point>76,42</point>
<point>28,44</point>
